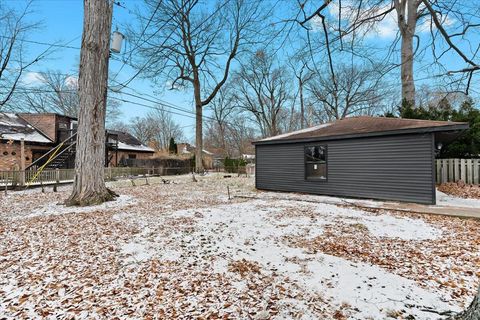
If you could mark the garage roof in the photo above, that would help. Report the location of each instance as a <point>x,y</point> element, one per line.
<point>364,126</point>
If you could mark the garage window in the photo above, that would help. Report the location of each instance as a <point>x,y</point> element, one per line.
<point>316,162</point>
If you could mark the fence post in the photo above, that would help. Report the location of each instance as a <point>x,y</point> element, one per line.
<point>22,162</point>
<point>476,171</point>
<point>438,167</point>
<point>457,170</point>
<point>469,172</point>
<point>444,171</point>
<point>57,179</point>
<point>451,173</point>
<point>462,170</point>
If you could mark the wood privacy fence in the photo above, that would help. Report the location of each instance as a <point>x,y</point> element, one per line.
<point>453,170</point>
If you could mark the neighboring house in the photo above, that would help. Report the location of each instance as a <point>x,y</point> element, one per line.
<point>47,134</point>
<point>360,157</point>
<point>187,150</point>
<point>12,130</point>
<point>128,147</point>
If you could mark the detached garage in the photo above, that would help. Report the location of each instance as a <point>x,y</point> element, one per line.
<point>359,157</point>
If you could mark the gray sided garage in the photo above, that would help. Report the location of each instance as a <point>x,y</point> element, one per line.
<point>360,157</point>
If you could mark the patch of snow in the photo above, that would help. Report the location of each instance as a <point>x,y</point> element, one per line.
<point>124,146</point>
<point>446,200</point>
<point>285,135</point>
<point>135,252</point>
<point>253,234</point>
<point>380,226</point>
<point>403,228</point>
<point>13,121</point>
<point>369,288</point>
<point>58,209</point>
<point>31,137</point>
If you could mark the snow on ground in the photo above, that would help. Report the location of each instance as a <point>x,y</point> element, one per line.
<point>184,250</point>
<point>53,208</point>
<point>446,200</point>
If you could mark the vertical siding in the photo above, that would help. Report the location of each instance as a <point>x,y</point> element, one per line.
<point>390,168</point>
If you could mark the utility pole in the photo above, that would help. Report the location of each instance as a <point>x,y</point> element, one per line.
<point>89,181</point>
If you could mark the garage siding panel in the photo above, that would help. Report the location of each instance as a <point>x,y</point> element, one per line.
<point>388,168</point>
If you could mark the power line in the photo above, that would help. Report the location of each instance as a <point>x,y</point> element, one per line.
<point>141,35</point>
<point>66,46</point>
<point>166,39</point>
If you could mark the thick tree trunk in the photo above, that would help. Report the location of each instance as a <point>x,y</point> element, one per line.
<point>198,124</point>
<point>89,183</point>
<point>198,138</point>
<point>473,311</point>
<point>408,83</point>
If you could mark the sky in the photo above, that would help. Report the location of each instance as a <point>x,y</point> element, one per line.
<point>62,23</point>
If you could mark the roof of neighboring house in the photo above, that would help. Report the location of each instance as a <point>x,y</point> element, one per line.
<point>128,142</point>
<point>364,126</point>
<point>12,127</point>
<point>188,148</point>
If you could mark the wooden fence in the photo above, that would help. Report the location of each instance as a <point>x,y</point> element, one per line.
<point>57,176</point>
<point>453,170</point>
<point>54,176</point>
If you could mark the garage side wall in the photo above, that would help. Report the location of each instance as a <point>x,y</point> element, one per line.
<point>389,168</point>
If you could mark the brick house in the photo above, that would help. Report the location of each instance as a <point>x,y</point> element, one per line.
<point>45,134</point>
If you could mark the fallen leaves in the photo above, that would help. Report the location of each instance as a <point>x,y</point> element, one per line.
<point>72,265</point>
<point>460,189</point>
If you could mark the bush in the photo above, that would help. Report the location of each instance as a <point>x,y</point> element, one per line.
<point>232,165</point>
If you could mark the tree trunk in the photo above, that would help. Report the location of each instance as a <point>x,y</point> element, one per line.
<point>473,311</point>
<point>408,84</point>
<point>198,138</point>
<point>302,108</point>
<point>89,183</point>
<point>198,124</point>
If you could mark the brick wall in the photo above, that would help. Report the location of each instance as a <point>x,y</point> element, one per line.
<point>45,122</point>
<point>10,154</point>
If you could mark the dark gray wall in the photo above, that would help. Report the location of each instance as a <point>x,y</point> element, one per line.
<point>398,167</point>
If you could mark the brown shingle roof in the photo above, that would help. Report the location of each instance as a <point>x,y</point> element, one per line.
<point>365,125</point>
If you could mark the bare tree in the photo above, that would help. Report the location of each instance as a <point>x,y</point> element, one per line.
<point>164,128</point>
<point>450,23</point>
<point>155,128</point>
<point>143,129</point>
<point>263,91</point>
<point>223,107</point>
<point>303,73</point>
<point>357,91</point>
<point>188,45</point>
<point>13,56</point>
<point>89,182</point>
<point>56,92</point>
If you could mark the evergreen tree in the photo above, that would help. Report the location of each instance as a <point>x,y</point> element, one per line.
<point>172,148</point>
<point>467,144</point>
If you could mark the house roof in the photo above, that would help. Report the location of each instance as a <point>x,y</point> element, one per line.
<point>188,148</point>
<point>12,127</point>
<point>364,126</point>
<point>128,142</point>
